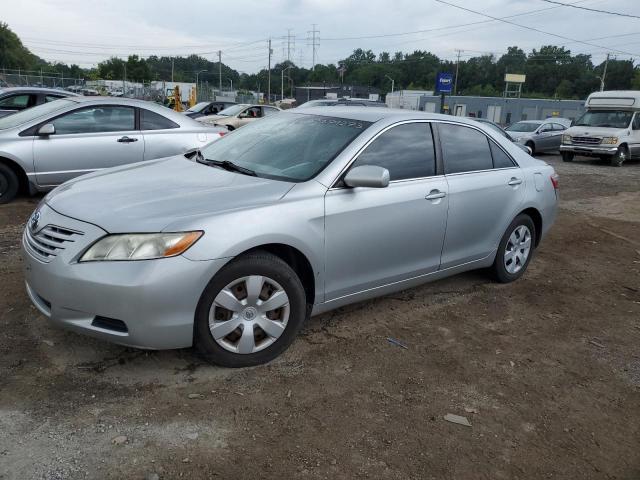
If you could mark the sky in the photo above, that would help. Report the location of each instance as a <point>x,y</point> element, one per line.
<point>87,32</point>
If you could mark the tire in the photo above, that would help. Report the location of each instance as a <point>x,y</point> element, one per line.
<point>567,157</point>
<point>620,156</point>
<point>9,184</point>
<point>503,272</point>
<point>230,128</point>
<point>240,278</point>
<point>532,146</point>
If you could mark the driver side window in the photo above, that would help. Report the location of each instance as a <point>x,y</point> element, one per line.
<point>407,151</point>
<point>636,122</point>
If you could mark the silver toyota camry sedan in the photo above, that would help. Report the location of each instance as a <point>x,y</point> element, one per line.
<point>46,145</point>
<point>233,248</point>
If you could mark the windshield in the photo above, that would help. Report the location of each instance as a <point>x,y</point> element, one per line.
<point>605,118</point>
<point>29,114</point>
<point>523,127</point>
<point>292,147</point>
<point>198,107</point>
<point>232,110</point>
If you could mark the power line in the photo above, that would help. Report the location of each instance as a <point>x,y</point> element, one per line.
<point>530,28</point>
<point>592,9</point>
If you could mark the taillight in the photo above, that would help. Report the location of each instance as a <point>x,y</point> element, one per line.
<point>555,180</point>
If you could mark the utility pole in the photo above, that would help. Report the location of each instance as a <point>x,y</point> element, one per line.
<point>604,73</point>
<point>289,41</point>
<point>455,82</point>
<point>269,75</point>
<point>393,82</point>
<point>315,42</point>
<point>124,80</point>
<point>220,71</point>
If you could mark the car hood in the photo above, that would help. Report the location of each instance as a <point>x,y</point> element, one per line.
<point>149,196</point>
<point>583,131</point>
<point>518,135</point>
<point>212,118</point>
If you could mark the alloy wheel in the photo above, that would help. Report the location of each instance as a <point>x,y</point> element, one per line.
<point>249,314</point>
<point>517,249</point>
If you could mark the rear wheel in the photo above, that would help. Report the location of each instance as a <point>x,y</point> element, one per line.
<point>515,250</point>
<point>250,312</point>
<point>9,184</point>
<point>620,157</point>
<point>567,157</point>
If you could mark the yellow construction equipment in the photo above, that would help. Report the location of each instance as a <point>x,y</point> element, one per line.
<point>177,101</point>
<point>192,97</point>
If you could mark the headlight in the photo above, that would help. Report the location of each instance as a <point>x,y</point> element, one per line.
<point>566,138</point>
<point>140,246</point>
<point>610,140</point>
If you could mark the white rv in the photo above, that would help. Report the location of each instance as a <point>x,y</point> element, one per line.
<point>609,129</point>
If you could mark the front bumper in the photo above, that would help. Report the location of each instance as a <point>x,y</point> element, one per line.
<point>589,150</point>
<point>156,299</point>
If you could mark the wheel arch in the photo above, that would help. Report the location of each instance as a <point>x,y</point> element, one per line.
<point>536,217</point>
<point>297,260</point>
<point>19,171</point>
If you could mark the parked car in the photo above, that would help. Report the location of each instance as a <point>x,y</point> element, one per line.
<point>15,99</point>
<point>343,102</point>
<point>47,145</point>
<point>238,115</point>
<point>295,215</point>
<point>503,132</point>
<point>204,109</point>
<point>539,135</point>
<point>609,129</point>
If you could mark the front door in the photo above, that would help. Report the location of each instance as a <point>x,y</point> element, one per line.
<point>486,190</point>
<point>378,236</point>
<point>85,140</point>
<point>547,138</point>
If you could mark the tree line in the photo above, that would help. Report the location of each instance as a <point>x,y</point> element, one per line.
<point>552,71</point>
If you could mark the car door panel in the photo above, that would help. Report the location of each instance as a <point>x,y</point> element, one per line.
<point>80,146</point>
<point>481,198</point>
<point>377,236</point>
<point>481,204</point>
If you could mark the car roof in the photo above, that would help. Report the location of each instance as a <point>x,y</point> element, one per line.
<point>374,114</point>
<point>35,90</point>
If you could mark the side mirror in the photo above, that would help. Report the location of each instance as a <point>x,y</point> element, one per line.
<point>47,129</point>
<point>370,176</point>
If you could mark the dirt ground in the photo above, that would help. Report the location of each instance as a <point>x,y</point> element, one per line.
<point>546,370</point>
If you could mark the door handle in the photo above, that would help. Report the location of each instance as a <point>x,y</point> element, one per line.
<point>126,139</point>
<point>435,194</point>
<point>515,181</point>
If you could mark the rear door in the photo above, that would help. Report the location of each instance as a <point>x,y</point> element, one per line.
<point>486,189</point>
<point>378,236</point>
<point>87,139</point>
<point>163,137</point>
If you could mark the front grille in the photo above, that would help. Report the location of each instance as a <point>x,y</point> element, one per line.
<point>586,140</point>
<point>49,241</point>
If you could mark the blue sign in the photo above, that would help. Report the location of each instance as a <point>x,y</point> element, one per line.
<point>444,83</point>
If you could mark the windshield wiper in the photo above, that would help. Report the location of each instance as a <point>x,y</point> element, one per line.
<point>227,165</point>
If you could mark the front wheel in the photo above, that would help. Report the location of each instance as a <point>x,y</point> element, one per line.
<point>567,157</point>
<point>250,312</point>
<point>515,250</point>
<point>532,147</point>
<point>9,184</point>
<point>619,158</point>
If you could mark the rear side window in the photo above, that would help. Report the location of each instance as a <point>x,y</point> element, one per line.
<point>16,102</point>
<point>51,98</point>
<point>500,159</point>
<point>464,149</point>
<point>154,121</point>
<point>269,111</point>
<point>406,151</point>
